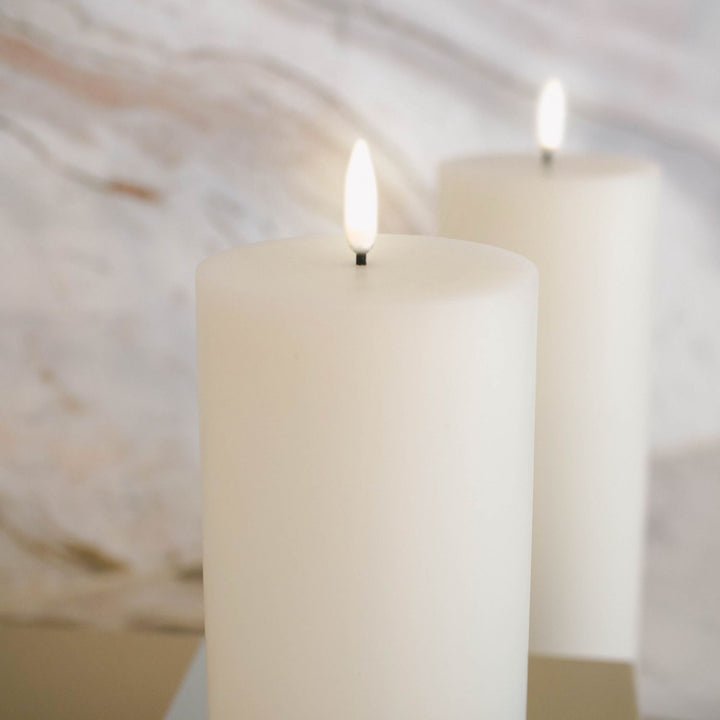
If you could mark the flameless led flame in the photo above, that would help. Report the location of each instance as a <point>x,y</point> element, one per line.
<point>361,201</point>
<point>551,111</point>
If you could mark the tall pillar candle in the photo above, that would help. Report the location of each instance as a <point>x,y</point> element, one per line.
<point>366,440</point>
<point>586,222</point>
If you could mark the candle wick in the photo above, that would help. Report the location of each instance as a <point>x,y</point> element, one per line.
<point>361,259</point>
<point>546,158</point>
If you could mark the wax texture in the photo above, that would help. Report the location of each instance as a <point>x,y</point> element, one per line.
<point>366,437</point>
<point>586,222</point>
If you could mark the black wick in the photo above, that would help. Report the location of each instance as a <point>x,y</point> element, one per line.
<point>361,258</point>
<point>546,158</point>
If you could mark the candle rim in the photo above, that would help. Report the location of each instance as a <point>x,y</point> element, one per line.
<point>569,166</point>
<point>475,270</point>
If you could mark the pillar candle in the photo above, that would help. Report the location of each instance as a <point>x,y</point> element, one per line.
<point>585,221</point>
<point>366,436</point>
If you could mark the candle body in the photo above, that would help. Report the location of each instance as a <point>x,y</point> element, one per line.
<point>366,441</point>
<point>586,223</point>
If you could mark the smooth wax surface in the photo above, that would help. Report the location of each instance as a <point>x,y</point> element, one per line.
<point>586,223</point>
<point>367,458</point>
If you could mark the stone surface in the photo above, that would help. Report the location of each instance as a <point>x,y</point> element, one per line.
<point>681,638</point>
<point>137,137</point>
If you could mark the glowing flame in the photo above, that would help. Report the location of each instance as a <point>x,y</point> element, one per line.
<point>551,111</point>
<point>361,201</point>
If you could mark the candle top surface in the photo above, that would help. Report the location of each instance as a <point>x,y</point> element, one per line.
<point>565,166</point>
<point>400,268</point>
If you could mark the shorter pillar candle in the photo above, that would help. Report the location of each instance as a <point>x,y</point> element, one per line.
<point>586,221</point>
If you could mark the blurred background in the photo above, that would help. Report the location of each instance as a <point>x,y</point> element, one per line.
<point>138,137</point>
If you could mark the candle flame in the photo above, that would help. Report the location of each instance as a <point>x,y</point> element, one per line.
<point>551,112</point>
<point>361,200</point>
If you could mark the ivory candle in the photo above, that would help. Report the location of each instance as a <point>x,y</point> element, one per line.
<point>366,440</point>
<point>585,221</point>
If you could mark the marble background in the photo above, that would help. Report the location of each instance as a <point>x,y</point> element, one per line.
<point>137,137</point>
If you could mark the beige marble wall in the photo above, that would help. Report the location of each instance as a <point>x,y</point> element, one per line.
<point>137,137</point>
